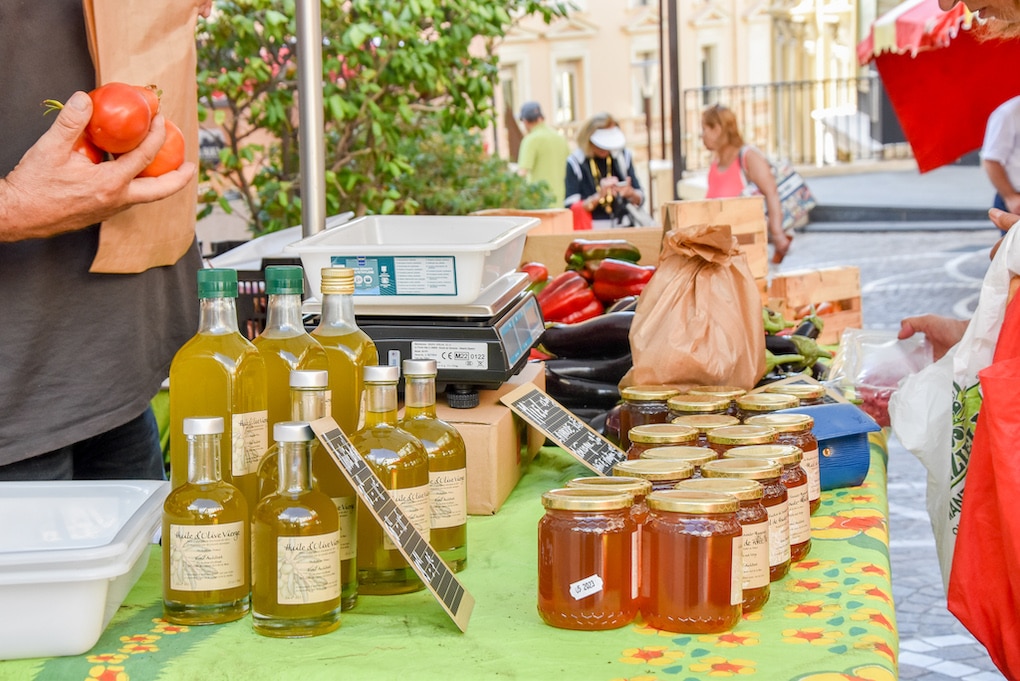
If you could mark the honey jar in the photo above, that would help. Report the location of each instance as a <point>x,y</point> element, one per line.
<point>686,404</point>
<point>643,404</point>
<point>705,423</point>
<point>636,487</point>
<point>763,403</point>
<point>659,435</point>
<point>696,456</point>
<point>807,393</point>
<point>727,437</point>
<point>730,392</point>
<point>796,430</point>
<point>662,473</point>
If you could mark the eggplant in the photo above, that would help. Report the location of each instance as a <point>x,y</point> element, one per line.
<point>604,370</point>
<point>604,337</point>
<point>579,392</point>
<point>623,304</point>
<point>780,345</point>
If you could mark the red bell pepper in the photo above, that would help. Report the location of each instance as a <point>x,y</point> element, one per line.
<point>592,309</point>
<point>566,293</point>
<point>538,275</point>
<point>615,279</point>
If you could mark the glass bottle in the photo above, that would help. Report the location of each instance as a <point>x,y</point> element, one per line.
<point>659,435</point>
<point>706,423</point>
<point>308,390</point>
<point>206,539</point>
<point>447,462</point>
<point>284,343</point>
<point>402,464</point>
<point>756,404</point>
<point>296,575</point>
<point>643,404</point>
<point>219,372</point>
<point>796,430</point>
<point>587,558</point>
<point>348,349</point>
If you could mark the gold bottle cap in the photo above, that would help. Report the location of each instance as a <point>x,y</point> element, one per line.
<point>696,456</point>
<point>743,490</point>
<point>802,391</point>
<point>730,391</point>
<point>648,393</point>
<point>634,486</point>
<point>748,469</point>
<point>742,435</point>
<point>655,470</point>
<point>767,402</point>
<point>695,404</point>
<point>783,423</point>
<point>707,422</point>
<point>692,501</point>
<point>787,455</point>
<point>663,433</point>
<point>337,280</point>
<point>586,499</point>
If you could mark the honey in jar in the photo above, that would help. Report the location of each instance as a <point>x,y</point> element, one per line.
<point>795,480</point>
<point>662,473</point>
<point>705,423</point>
<point>659,435</point>
<point>636,487</point>
<point>587,559</point>
<point>691,562</point>
<point>763,403</point>
<point>754,525</point>
<point>807,393</point>
<point>727,437</point>
<point>643,404</point>
<point>774,499</point>
<point>686,404</point>
<point>696,456</point>
<point>730,392</point>
<point>796,430</point>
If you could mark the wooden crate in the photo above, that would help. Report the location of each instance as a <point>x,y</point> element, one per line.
<point>551,220</point>
<point>838,285</point>
<point>549,249</point>
<point>745,216</point>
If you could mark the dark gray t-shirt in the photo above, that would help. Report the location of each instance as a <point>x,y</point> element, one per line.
<point>80,353</point>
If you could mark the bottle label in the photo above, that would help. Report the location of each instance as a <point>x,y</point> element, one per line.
<point>249,440</point>
<point>736,572</point>
<point>800,514</point>
<point>414,502</point>
<point>448,498</point>
<point>779,533</point>
<point>586,587</point>
<point>308,569</point>
<point>756,555</point>
<point>346,506</point>
<point>809,462</point>
<point>207,557</point>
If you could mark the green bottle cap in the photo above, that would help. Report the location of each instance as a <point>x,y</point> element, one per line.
<point>217,283</point>
<point>285,280</point>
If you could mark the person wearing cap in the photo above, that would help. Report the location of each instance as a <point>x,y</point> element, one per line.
<point>600,173</point>
<point>543,153</point>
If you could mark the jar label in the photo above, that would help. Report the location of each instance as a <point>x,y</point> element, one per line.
<point>414,502</point>
<point>800,514</point>
<point>307,569</point>
<point>756,554</point>
<point>448,498</point>
<point>779,533</point>
<point>583,588</point>
<point>348,541</point>
<point>207,557</point>
<point>809,463</point>
<point>249,440</point>
<point>736,572</point>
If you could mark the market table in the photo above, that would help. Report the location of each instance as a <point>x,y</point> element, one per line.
<point>831,618</point>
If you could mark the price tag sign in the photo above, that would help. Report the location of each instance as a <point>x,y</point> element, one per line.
<point>427,564</point>
<point>566,430</point>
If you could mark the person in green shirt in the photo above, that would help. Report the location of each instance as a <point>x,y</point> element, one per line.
<point>543,153</point>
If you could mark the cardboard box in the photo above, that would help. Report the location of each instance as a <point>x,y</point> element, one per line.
<point>551,220</point>
<point>499,444</point>
<point>840,286</point>
<point>745,216</point>
<point>548,249</point>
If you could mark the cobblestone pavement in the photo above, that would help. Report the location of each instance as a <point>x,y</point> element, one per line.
<point>905,273</point>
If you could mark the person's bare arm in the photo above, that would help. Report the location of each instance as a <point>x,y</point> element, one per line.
<point>942,332</point>
<point>1000,180</point>
<point>758,171</point>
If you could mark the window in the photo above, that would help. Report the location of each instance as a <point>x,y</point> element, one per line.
<point>568,79</point>
<point>708,73</point>
<point>645,70</point>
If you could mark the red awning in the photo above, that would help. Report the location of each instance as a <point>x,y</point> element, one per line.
<point>912,27</point>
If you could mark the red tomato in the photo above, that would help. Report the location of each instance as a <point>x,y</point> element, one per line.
<point>120,117</point>
<point>151,95</point>
<point>170,155</point>
<point>83,146</point>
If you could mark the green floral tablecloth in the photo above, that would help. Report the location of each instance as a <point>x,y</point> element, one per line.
<point>830,619</point>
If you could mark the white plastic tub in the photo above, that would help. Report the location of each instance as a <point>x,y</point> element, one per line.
<point>69,554</point>
<point>417,259</point>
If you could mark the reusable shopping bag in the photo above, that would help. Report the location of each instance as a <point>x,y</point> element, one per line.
<point>795,197</point>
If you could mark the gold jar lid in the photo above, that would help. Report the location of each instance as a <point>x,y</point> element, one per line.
<point>783,423</point>
<point>586,499</point>
<point>767,402</point>
<point>743,490</point>
<point>748,469</point>
<point>742,435</point>
<point>648,393</point>
<point>697,456</point>
<point>786,455</point>
<point>729,391</point>
<point>694,404</point>
<point>706,422</point>
<point>655,470</point>
<point>802,391</point>
<point>617,483</point>
<point>692,501</point>
<point>662,433</point>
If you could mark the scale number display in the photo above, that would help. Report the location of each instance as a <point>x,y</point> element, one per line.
<point>566,430</point>
<point>436,575</point>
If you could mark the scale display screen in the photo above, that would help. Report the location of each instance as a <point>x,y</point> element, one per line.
<point>519,331</point>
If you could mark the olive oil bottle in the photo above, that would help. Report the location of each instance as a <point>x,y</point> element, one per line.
<point>348,348</point>
<point>296,575</point>
<point>205,537</point>
<point>447,462</point>
<point>401,462</point>
<point>284,343</point>
<point>218,372</point>
<point>308,391</point>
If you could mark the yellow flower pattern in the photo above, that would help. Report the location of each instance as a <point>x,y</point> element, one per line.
<point>654,655</point>
<point>717,666</point>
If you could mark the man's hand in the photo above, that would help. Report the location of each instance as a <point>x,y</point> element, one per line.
<point>942,332</point>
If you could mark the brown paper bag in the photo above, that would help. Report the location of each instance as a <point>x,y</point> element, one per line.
<point>699,319</point>
<point>143,42</point>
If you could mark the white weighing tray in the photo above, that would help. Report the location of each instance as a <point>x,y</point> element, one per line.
<point>69,554</point>
<point>416,259</point>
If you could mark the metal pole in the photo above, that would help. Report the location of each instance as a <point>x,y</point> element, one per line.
<point>662,83</point>
<point>674,98</point>
<point>648,133</point>
<point>312,149</point>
